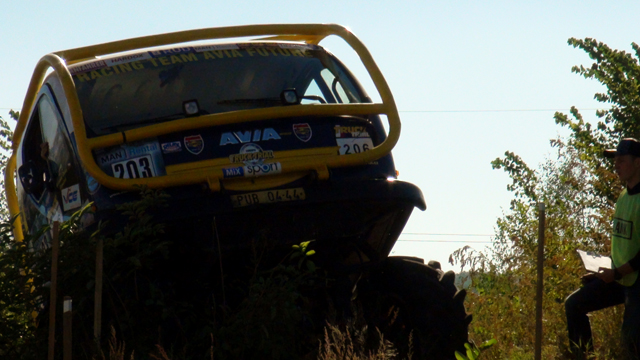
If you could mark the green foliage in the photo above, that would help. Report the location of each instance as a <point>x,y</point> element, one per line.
<point>579,189</point>
<point>473,352</point>
<point>25,286</point>
<point>271,321</point>
<point>273,313</point>
<point>6,136</point>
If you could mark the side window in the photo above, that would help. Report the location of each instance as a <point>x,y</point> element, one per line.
<point>50,121</point>
<point>31,150</point>
<point>313,94</point>
<point>334,84</point>
<point>60,156</point>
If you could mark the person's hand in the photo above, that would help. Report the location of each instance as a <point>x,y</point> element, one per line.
<point>606,275</point>
<point>44,150</point>
<point>587,278</point>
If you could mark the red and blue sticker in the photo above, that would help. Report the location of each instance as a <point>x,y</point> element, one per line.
<point>194,144</point>
<point>302,131</point>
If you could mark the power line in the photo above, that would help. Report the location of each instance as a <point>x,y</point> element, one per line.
<point>487,111</point>
<point>444,241</point>
<point>429,111</point>
<point>434,234</point>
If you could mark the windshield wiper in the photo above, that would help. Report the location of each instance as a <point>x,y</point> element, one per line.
<point>270,101</point>
<point>158,120</point>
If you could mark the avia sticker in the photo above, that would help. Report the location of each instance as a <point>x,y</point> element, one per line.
<point>171,147</point>
<point>194,144</point>
<point>251,154</point>
<point>351,131</point>
<point>302,131</point>
<point>71,197</point>
<point>241,137</point>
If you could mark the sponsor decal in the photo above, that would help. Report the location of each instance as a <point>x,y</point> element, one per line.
<point>242,137</point>
<point>302,131</point>
<point>194,144</point>
<point>142,149</point>
<point>251,154</point>
<point>71,197</point>
<point>298,46</point>
<point>159,58</point>
<point>251,157</point>
<point>87,67</point>
<point>216,47</point>
<point>233,172</point>
<point>351,131</point>
<point>173,51</point>
<point>127,59</point>
<point>262,170</point>
<point>92,184</point>
<point>253,170</point>
<point>113,156</point>
<point>171,147</point>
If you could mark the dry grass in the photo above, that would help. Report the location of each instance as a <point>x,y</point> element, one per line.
<point>337,344</point>
<point>116,348</point>
<point>343,345</point>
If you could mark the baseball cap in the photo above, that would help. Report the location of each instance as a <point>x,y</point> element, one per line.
<point>628,146</point>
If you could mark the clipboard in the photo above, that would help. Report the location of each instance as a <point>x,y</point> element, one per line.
<point>593,262</point>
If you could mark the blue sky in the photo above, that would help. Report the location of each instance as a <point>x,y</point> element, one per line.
<point>471,79</point>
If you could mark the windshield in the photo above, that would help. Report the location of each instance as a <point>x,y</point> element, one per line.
<point>135,90</point>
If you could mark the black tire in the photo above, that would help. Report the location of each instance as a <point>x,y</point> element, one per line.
<point>404,296</point>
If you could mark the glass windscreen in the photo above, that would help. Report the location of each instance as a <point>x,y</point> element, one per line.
<point>140,89</point>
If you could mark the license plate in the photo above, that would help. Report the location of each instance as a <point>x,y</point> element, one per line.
<point>266,197</point>
<point>354,145</point>
<point>140,167</point>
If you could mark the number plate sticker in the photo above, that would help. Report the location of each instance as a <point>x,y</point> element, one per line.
<point>266,197</point>
<point>140,167</point>
<point>354,145</point>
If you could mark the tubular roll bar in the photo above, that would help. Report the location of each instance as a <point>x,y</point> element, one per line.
<point>320,161</point>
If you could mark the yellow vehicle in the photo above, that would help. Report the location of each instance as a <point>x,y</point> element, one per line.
<point>269,135</point>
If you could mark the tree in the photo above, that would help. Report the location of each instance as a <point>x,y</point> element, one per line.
<point>6,136</point>
<point>579,189</point>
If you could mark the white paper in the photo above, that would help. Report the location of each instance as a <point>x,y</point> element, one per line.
<point>593,262</point>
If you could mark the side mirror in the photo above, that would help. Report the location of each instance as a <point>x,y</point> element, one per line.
<point>35,177</point>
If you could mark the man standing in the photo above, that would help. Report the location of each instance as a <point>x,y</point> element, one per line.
<point>615,286</point>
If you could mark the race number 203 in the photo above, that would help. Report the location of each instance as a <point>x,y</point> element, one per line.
<point>140,167</point>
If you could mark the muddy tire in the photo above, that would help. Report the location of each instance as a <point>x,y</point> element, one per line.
<point>404,296</point>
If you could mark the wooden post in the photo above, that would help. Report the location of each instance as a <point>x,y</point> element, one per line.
<point>55,246</point>
<point>66,328</point>
<point>97,306</point>
<point>540,285</point>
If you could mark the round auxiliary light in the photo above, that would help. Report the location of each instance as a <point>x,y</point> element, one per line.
<point>191,107</point>
<point>290,97</point>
